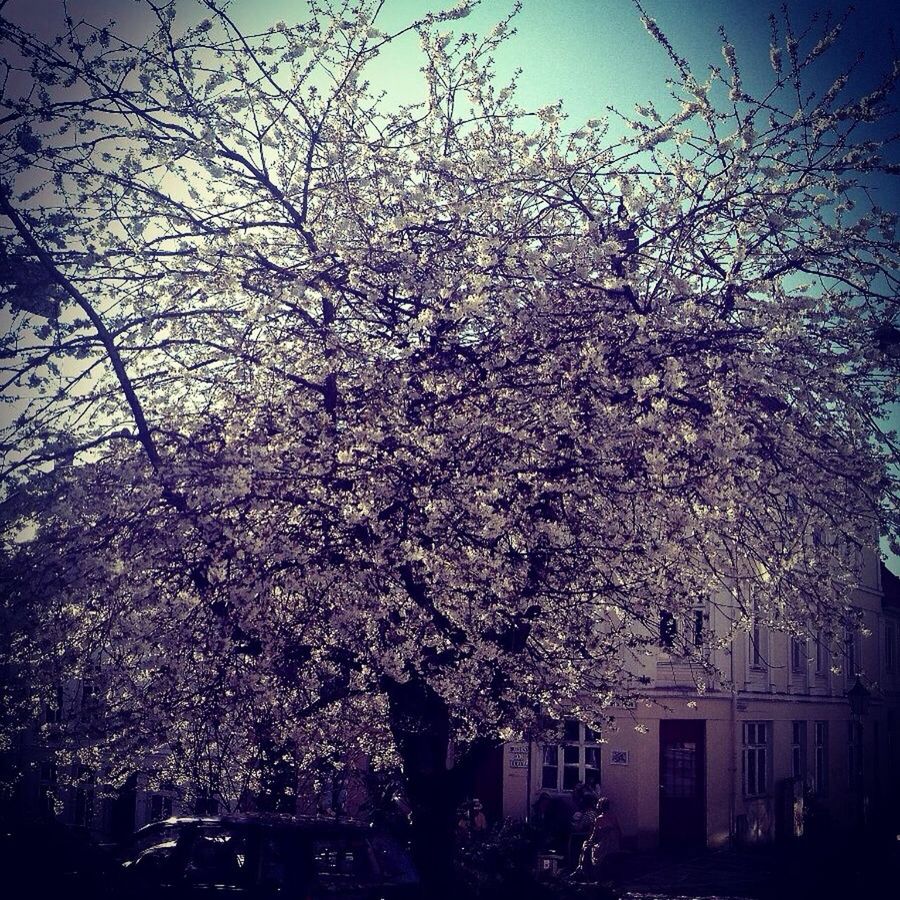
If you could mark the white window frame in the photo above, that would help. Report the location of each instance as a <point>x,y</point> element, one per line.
<point>757,642</point>
<point>756,758</point>
<point>820,665</point>
<point>799,657</point>
<point>686,632</point>
<point>556,759</point>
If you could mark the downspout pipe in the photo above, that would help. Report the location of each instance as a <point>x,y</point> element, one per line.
<point>732,790</point>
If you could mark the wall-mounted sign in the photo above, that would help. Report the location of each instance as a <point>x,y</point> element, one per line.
<point>618,757</point>
<point>517,756</point>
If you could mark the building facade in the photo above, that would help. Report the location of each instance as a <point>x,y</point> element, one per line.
<point>776,752</point>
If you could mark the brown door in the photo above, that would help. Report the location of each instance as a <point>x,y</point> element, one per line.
<point>682,783</point>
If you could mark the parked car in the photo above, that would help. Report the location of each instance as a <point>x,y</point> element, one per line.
<point>260,857</point>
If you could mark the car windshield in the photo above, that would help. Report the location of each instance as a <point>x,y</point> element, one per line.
<point>218,857</point>
<point>155,837</point>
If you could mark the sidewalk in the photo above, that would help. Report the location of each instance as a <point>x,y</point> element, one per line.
<point>850,871</point>
<point>722,873</point>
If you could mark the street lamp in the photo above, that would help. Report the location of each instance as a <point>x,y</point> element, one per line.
<point>858,696</point>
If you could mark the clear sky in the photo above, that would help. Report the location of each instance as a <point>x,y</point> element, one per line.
<point>590,52</point>
<point>596,52</point>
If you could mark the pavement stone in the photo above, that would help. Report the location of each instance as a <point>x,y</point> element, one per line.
<point>861,869</point>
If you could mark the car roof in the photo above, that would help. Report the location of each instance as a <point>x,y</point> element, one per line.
<point>302,823</point>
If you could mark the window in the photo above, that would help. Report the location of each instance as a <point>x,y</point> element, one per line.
<point>550,767</point>
<point>821,773</point>
<point>206,805</point>
<point>576,759</point>
<point>890,649</point>
<point>218,858</point>
<point>153,851</point>
<point>757,647</point>
<point>154,837</point>
<point>700,618</point>
<point>758,638</point>
<point>798,655</point>
<point>332,798</point>
<point>798,750</point>
<point>693,625</point>
<point>756,758</point>
<point>160,807</point>
<point>679,765</point>
<point>54,709</point>
<point>668,630</point>
<point>820,653</point>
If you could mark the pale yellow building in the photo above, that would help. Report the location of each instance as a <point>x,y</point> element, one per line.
<point>776,751</point>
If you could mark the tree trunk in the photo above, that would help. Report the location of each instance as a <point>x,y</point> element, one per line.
<point>420,724</point>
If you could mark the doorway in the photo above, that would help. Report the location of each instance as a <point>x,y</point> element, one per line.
<point>682,783</point>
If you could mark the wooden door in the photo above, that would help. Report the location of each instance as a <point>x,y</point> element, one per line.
<point>682,783</point>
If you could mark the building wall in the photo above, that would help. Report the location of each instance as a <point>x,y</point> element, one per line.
<point>778,693</point>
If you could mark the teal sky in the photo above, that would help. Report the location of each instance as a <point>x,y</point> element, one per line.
<point>589,52</point>
<point>592,53</point>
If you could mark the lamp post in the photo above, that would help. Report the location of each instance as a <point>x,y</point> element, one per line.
<point>858,696</point>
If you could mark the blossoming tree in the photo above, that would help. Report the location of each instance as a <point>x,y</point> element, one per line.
<point>339,424</point>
